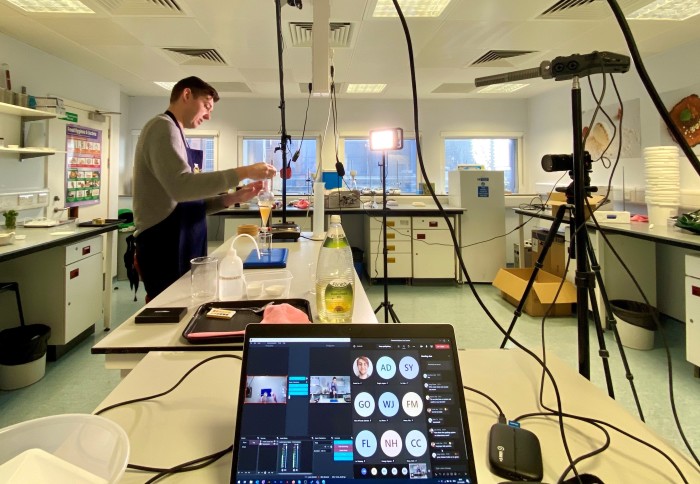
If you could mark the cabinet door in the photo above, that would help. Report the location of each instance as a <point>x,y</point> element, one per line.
<point>692,320</point>
<point>83,283</point>
<point>433,254</point>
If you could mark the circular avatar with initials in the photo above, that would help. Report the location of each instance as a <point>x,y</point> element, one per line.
<point>412,404</point>
<point>408,366</point>
<point>364,404</point>
<point>391,443</point>
<point>388,404</point>
<point>366,443</point>
<point>386,367</point>
<point>416,443</point>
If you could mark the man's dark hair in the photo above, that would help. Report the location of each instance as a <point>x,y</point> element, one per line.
<point>196,85</point>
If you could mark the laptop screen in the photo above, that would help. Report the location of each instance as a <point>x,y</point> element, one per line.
<point>337,403</point>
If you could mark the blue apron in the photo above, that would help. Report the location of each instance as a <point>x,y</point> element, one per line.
<point>164,251</point>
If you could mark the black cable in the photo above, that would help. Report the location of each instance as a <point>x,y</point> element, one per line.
<point>550,413</point>
<point>414,92</point>
<point>651,90</point>
<point>490,399</point>
<point>186,466</point>
<point>295,157</point>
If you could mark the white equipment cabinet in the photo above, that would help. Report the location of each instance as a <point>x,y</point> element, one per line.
<point>481,194</point>
<point>399,253</point>
<point>433,252</point>
<point>77,270</point>
<point>692,309</point>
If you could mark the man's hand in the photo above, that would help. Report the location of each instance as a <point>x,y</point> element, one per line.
<point>258,171</point>
<point>243,194</point>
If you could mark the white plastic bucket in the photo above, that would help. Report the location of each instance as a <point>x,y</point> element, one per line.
<point>660,213</point>
<point>635,337</point>
<point>13,377</point>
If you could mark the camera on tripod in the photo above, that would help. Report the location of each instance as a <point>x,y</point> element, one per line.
<point>551,163</point>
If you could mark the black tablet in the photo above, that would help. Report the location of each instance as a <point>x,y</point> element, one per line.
<point>331,403</point>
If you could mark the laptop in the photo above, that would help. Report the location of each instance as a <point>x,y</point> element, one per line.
<point>331,403</point>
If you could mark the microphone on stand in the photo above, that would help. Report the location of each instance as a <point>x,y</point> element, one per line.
<point>543,71</point>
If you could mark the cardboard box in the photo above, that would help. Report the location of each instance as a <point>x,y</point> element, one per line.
<point>557,198</point>
<point>555,261</point>
<point>512,283</point>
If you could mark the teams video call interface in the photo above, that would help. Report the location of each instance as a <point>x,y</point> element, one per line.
<point>331,410</point>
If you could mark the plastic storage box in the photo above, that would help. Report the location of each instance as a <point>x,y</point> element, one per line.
<point>92,443</point>
<point>268,284</point>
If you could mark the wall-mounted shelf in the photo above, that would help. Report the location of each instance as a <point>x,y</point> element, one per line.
<point>26,113</point>
<point>30,152</point>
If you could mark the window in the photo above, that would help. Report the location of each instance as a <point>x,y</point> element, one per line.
<point>493,153</point>
<point>401,165</point>
<point>255,149</point>
<point>198,140</point>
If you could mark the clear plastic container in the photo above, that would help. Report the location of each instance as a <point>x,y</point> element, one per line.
<point>93,443</point>
<point>268,284</point>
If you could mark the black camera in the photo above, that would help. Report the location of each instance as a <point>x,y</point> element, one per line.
<point>552,163</point>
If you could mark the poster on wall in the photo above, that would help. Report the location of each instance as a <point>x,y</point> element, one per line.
<point>603,136</point>
<point>83,165</point>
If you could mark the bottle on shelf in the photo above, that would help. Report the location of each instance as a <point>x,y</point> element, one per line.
<point>335,276</point>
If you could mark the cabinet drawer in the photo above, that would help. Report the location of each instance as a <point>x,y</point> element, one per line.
<point>391,234</point>
<point>398,246</point>
<point>393,222</point>
<point>422,223</point>
<point>83,249</point>
<point>398,265</point>
<point>425,237</point>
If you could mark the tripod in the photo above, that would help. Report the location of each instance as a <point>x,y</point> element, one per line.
<point>388,307</point>
<point>581,250</point>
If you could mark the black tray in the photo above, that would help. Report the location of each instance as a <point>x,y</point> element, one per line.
<point>108,221</point>
<point>236,325</point>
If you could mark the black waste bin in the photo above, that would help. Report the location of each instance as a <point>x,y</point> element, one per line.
<point>639,333</point>
<point>23,344</point>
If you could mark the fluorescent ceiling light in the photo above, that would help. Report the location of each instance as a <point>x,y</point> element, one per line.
<point>501,88</point>
<point>410,8</point>
<point>667,10</point>
<point>52,6</point>
<point>168,86</point>
<point>365,88</point>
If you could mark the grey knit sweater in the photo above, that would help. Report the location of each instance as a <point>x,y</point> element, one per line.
<point>162,177</point>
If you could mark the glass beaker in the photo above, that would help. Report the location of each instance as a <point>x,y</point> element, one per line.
<point>204,273</point>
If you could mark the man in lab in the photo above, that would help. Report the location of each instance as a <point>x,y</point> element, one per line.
<point>172,196</point>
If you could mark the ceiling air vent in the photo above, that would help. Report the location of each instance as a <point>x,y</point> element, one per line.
<point>141,7</point>
<point>230,87</point>
<point>195,57</point>
<point>454,88</point>
<point>340,34</point>
<point>497,58</point>
<point>587,9</point>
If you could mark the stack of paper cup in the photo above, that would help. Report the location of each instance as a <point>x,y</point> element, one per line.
<point>663,188</point>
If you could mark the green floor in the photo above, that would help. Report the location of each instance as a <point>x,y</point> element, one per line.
<point>78,381</point>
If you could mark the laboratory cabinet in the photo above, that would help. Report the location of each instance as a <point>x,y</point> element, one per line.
<point>433,249</point>
<point>61,287</point>
<point>398,244</point>
<point>692,310</point>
